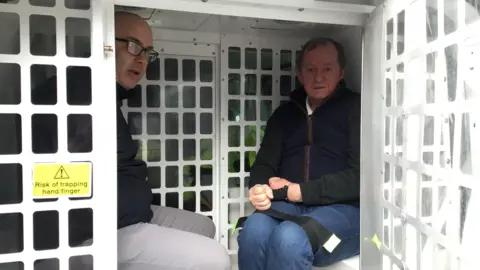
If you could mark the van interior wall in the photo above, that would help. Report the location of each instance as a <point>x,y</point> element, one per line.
<point>351,39</point>
<point>349,36</point>
<point>242,37</point>
<point>358,2</point>
<point>170,31</point>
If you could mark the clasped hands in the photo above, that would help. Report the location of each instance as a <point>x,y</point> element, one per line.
<point>260,196</point>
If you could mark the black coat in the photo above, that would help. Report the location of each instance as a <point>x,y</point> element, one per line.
<point>321,152</point>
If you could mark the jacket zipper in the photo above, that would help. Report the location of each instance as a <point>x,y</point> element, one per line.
<point>306,173</point>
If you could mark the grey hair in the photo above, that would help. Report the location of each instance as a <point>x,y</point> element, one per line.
<point>321,41</point>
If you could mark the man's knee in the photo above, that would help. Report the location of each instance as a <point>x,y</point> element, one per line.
<point>206,225</point>
<point>221,260</point>
<point>213,257</point>
<point>256,230</point>
<point>290,240</point>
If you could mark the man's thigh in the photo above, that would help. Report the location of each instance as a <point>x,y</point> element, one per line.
<point>183,220</point>
<point>344,222</point>
<point>151,247</point>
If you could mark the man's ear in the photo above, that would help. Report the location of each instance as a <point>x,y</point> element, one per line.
<point>342,73</point>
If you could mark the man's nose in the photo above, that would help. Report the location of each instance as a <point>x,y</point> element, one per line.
<point>143,63</point>
<point>319,76</point>
<point>142,58</point>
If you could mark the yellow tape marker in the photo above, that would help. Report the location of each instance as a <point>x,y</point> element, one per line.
<point>54,180</point>
<point>376,241</point>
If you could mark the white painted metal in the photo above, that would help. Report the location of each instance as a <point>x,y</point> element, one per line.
<point>167,124</point>
<point>425,140</point>
<point>216,24</point>
<point>372,170</point>
<point>309,11</point>
<point>234,201</point>
<point>471,56</point>
<point>317,4</point>
<point>232,194</point>
<point>103,203</point>
<point>393,205</point>
<point>233,116</point>
<point>241,33</point>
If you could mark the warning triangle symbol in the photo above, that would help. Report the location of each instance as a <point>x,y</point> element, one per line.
<point>61,174</point>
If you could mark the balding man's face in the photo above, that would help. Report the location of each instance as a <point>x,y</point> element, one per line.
<point>320,73</point>
<point>130,68</point>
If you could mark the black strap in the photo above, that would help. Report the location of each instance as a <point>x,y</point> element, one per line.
<point>317,234</point>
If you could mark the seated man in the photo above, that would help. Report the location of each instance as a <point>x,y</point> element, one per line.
<point>149,237</point>
<point>312,145</point>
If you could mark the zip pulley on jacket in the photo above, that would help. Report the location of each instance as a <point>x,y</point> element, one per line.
<point>317,234</point>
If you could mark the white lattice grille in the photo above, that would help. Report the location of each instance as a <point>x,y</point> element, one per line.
<point>428,125</point>
<point>42,39</point>
<point>256,76</point>
<point>172,117</point>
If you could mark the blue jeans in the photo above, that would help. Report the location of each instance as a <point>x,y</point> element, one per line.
<point>265,243</point>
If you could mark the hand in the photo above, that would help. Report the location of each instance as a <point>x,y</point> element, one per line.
<point>260,196</point>
<point>277,182</point>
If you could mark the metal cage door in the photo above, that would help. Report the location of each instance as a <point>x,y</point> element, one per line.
<point>419,120</point>
<point>44,186</point>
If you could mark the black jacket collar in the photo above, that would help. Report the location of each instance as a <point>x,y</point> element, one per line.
<point>122,93</point>
<point>299,95</point>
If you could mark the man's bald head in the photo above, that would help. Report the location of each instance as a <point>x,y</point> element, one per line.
<point>130,27</point>
<point>125,19</point>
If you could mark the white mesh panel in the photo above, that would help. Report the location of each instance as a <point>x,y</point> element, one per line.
<point>172,116</point>
<point>256,76</point>
<point>41,39</point>
<point>428,125</point>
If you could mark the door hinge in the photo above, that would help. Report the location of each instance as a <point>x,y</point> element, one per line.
<point>107,48</point>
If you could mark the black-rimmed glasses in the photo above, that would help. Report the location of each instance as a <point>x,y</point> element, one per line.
<point>136,49</point>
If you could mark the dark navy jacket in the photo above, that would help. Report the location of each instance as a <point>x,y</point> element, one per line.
<point>321,152</point>
<point>134,194</point>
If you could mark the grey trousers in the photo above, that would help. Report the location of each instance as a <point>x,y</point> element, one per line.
<point>174,240</point>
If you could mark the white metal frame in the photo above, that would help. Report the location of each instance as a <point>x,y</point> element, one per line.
<point>102,64</point>
<point>183,50</point>
<point>102,109</point>
<point>371,175</point>
<point>258,43</point>
<point>302,10</point>
<point>471,53</point>
<point>169,35</point>
<point>412,113</point>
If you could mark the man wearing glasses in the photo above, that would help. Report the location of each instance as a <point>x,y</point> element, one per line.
<point>149,237</point>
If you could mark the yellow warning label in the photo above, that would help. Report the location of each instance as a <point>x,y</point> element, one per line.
<point>53,180</point>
